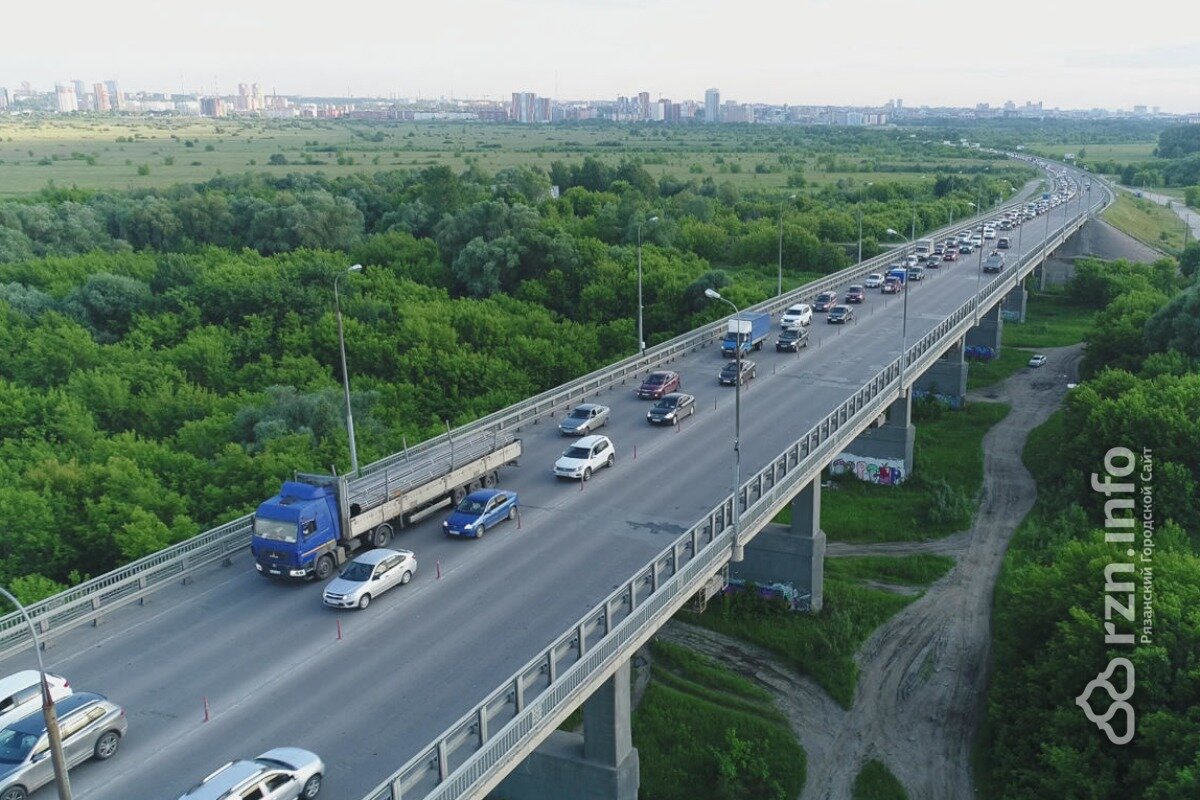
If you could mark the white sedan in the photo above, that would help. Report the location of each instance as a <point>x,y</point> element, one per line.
<point>368,576</point>
<point>1037,361</point>
<point>873,281</point>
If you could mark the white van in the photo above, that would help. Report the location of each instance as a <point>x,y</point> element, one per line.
<point>21,694</point>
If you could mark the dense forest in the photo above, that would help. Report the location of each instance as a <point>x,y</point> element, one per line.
<point>1143,391</point>
<point>167,356</point>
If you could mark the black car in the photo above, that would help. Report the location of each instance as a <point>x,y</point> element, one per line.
<point>855,294</point>
<point>934,262</point>
<point>729,375</point>
<point>671,408</point>
<point>840,314</point>
<point>791,340</point>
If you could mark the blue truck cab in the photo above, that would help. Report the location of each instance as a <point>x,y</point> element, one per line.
<point>293,527</point>
<point>899,273</point>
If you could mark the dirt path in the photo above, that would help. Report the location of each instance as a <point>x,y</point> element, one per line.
<point>922,674</point>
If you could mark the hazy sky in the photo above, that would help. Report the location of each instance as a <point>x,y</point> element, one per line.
<point>1067,53</point>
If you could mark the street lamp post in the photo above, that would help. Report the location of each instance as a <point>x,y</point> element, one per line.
<point>904,323</point>
<point>61,781</point>
<point>737,552</point>
<point>345,373</point>
<point>781,203</point>
<point>641,332</point>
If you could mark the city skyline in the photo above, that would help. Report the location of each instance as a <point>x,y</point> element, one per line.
<point>668,48</point>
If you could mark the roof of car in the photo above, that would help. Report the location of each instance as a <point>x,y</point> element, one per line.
<point>660,372</point>
<point>35,722</point>
<point>378,554</point>
<point>221,782</point>
<point>676,396</point>
<point>483,495</point>
<point>590,441</point>
<point>588,406</point>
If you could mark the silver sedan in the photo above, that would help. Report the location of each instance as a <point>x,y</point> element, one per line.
<point>584,419</point>
<point>369,576</point>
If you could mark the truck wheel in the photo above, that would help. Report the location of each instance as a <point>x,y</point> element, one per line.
<point>491,479</point>
<point>476,486</point>
<point>458,494</point>
<point>324,568</point>
<point>381,536</point>
<point>364,601</point>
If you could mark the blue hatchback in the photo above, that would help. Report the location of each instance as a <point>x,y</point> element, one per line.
<point>481,510</point>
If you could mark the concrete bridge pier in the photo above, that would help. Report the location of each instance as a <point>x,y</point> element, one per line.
<point>1015,302</point>
<point>947,377</point>
<point>892,442</point>
<point>599,764</point>
<point>988,331</point>
<point>791,554</point>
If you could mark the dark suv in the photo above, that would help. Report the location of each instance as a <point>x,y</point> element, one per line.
<point>791,340</point>
<point>824,301</point>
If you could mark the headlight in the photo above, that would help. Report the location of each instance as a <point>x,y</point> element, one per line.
<point>670,415</point>
<point>468,526</point>
<point>258,566</point>
<point>446,523</point>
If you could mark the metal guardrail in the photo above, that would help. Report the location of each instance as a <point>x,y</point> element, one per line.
<point>219,543</point>
<point>468,759</point>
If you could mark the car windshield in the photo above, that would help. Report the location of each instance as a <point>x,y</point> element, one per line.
<point>666,402</point>
<point>471,506</point>
<point>577,452</point>
<point>275,530</point>
<point>15,746</point>
<point>579,413</point>
<point>358,572</point>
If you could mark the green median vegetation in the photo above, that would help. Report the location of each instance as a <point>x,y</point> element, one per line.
<point>876,782</point>
<point>823,645</point>
<point>704,733</point>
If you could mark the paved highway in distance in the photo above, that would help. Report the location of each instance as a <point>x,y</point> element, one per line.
<point>267,657</point>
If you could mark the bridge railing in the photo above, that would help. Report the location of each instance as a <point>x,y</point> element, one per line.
<point>474,753</point>
<point>69,609</point>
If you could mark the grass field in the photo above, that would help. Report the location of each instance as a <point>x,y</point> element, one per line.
<point>704,733</point>
<point>1148,222</point>
<point>1052,320</point>
<point>124,153</point>
<point>823,645</point>
<point>948,453</point>
<point>876,782</point>
<point>981,374</point>
<point>1124,152</point>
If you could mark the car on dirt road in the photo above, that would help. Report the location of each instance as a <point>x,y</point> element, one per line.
<point>1038,360</point>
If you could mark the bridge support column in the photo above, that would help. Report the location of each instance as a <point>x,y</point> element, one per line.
<point>601,764</point>
<point>791,554</point>
<point>883,454</point>
<point>1015,301</point>
<point>946,378</point>
<point>987,332</point>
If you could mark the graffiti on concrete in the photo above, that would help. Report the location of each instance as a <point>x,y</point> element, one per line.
<point>952,400</point>
<point>980,352</point>
<point>884,471</point>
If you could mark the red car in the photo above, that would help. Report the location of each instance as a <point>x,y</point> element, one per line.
<point>951,255</point>
<point>855,294</point>
<point>658,384</point>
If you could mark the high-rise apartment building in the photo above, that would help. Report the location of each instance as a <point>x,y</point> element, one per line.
<point>3,98</point>
<point>643,101</point>
<point>64,99</point>
<point>100,99</point>
<point>80,93</point>
<point>212,107</point>
<point>712,106</point>
<point>115,98</point>
<point>528,108</point>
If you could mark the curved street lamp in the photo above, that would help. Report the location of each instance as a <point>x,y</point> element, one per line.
<point>56,750</point>
<point>345,374</point>
<point>781,204</point>
<point>737,552</point>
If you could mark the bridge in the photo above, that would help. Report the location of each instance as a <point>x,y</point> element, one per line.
<point>454,685</point>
